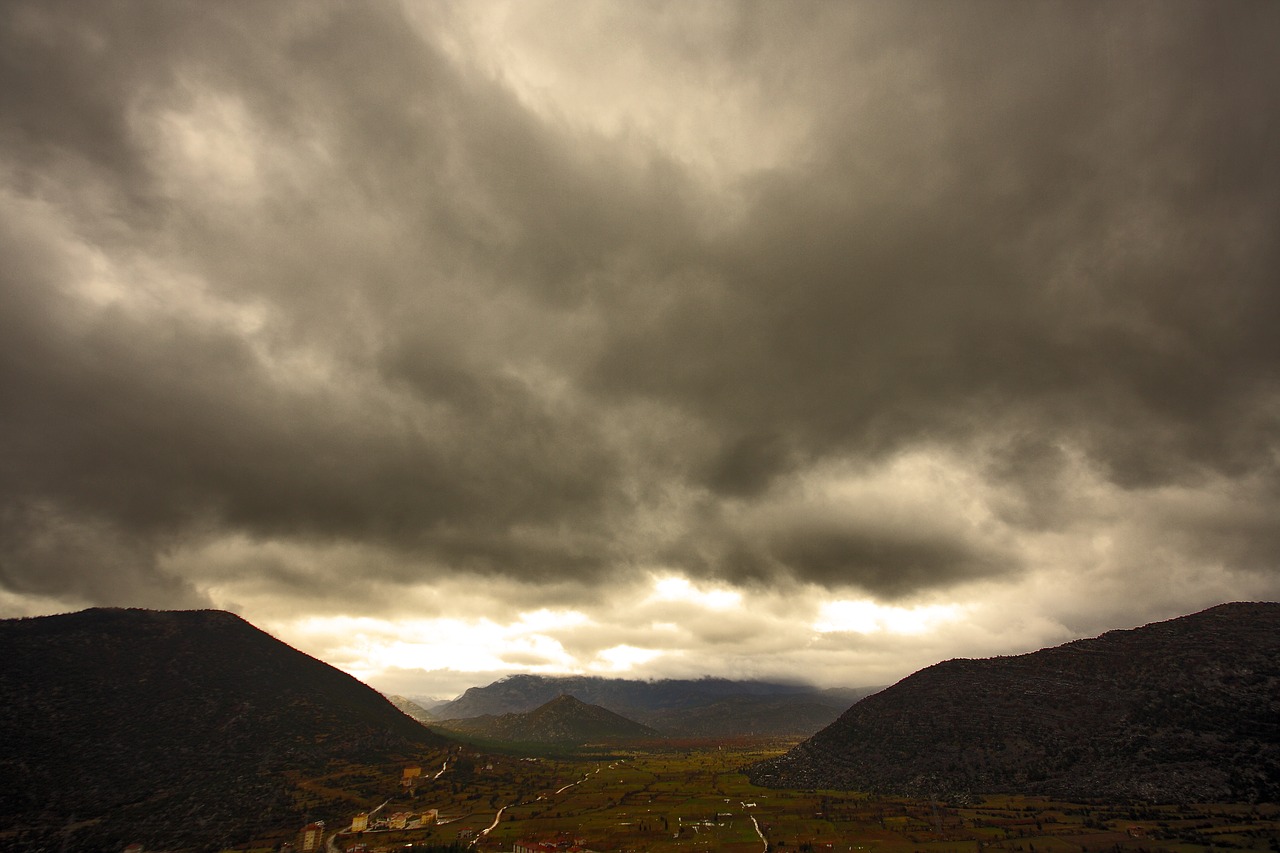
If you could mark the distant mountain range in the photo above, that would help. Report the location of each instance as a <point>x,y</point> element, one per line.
<point>704,707</point>
<point>172,729</point>
<point>1180,711</point>
<point>411,708</point>
<point>564,720</point>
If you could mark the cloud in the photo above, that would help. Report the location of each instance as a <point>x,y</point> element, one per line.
<point>45,554</point>
<point>356,312</point>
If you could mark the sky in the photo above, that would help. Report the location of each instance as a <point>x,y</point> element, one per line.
<point>788,340</point>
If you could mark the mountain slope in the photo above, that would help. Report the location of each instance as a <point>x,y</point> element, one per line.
<point>563,720</point>
<point>519,693</point>
<point>171,728</point>
<point>757,716</point>
<point>411,708</point>
<point>1184,710</point>
<point>705,707</point>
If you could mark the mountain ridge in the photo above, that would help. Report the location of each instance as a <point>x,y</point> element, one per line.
<point>410,708</point>
<point>172,728</point>
<point>563,720</point>
<point>678,707</point>
<point>1182,710</point>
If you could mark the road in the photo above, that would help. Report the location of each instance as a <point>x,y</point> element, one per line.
<point>498,817</point>
<point>331,843</point>
<point>571,784</point>
<point>496,820</point>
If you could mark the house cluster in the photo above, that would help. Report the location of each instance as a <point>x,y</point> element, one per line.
<point>396,820</point>
<point>561,844</point>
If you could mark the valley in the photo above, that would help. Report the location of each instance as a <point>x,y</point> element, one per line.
<point>693,796</point>
<point>135,730</point>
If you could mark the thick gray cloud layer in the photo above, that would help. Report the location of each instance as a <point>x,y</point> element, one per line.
<point>861,296</point>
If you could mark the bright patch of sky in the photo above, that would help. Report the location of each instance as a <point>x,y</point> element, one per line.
<point>676,588</point>
<point>622,659</point>
<point>868,617</point>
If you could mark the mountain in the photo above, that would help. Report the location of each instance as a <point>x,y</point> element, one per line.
<point>759,716</point>
<point>518,693</point>
<point>428,703</point>
<point>563,720</point>
<point>704,707</point>
<point>171,728</point>
<point>411,708</point>
<point>1180,711</point>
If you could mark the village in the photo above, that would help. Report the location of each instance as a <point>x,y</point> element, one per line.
<point>383,830</point>
<point>691,800</point>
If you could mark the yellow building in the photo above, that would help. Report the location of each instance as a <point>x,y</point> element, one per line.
<point>311,837</point>
<point>360,822</point>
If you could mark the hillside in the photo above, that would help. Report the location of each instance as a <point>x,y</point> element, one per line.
<point>170,728</point>
<point>411,708</point>
<point>563,720</point>
<point>756,716</point>
<point>705,707</point>
<point>1178,711</point>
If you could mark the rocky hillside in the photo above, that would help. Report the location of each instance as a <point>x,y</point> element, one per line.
<point>172,729</point>
<point>704,707</point>
<point>1177,711</point>
<point>563,720</point>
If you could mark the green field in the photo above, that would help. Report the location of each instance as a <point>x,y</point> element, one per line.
<point>693,797</point>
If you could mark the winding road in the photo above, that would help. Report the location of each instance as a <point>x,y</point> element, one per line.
<point>332,842</point>
<point>496,820</point>
<point>498,817</point>
<point>763,840</point>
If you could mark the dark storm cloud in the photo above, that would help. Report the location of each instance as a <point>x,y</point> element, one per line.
<point>1055,214</point>
<point>165,424</point>
<point>887,564</point>
<point>878,538</point>
<point>1053,223</point>
<point>46,553</point>
<point>882,561</point>
<point>748,464</point>
<point>370,295</point>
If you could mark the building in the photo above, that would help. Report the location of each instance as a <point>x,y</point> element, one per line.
<point>410,776</point>
<point>561,844</point>
<point>532,847</point>
<point>399,820</point>
<point>312,837</point>
<point>360,822</point>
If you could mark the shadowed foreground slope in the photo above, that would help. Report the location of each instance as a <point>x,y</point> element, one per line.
<point>1179,711</point>
<point>169,727</point>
